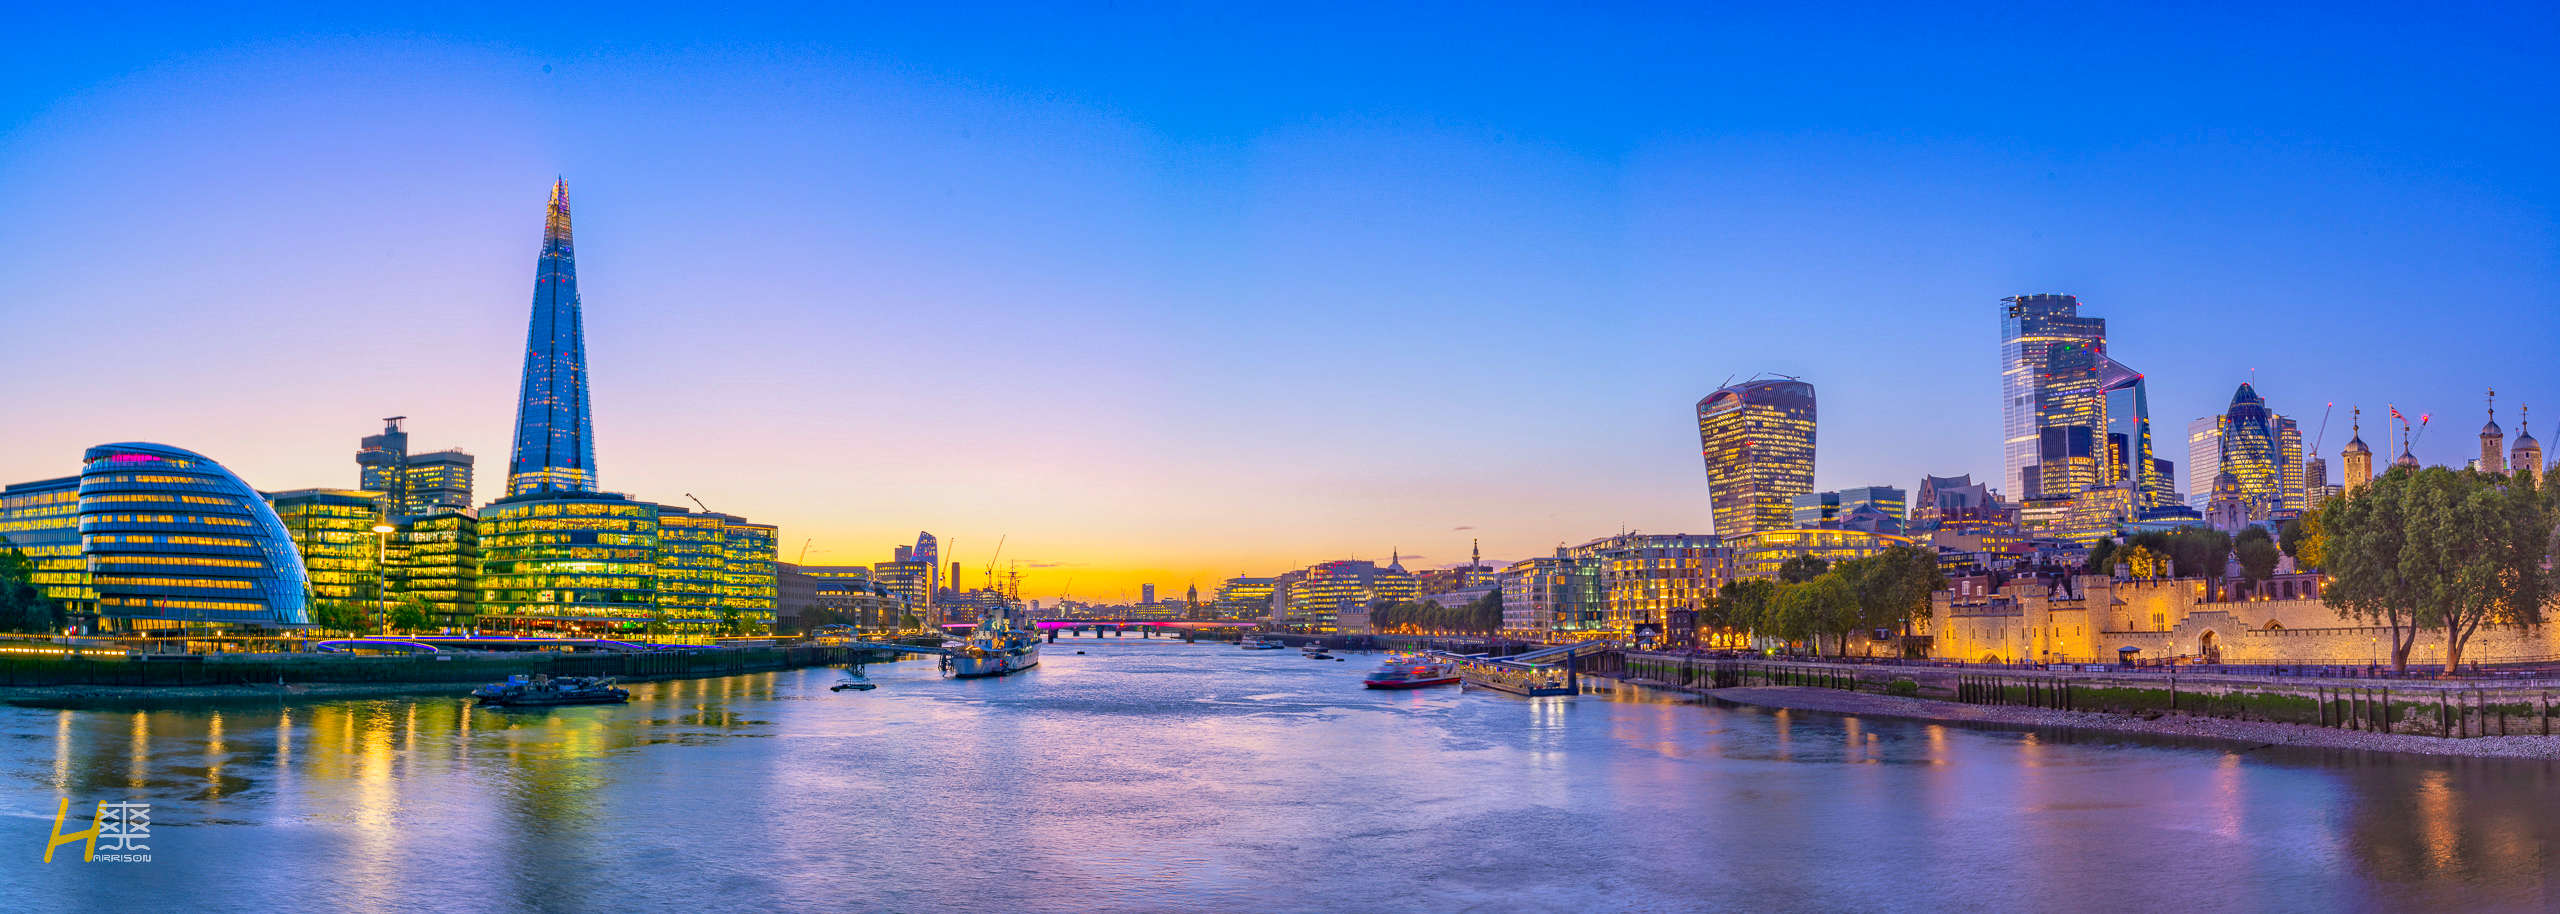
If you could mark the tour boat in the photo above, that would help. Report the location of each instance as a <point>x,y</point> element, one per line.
<point>1252,643</point>
<point>1411,673</point>
<point>544,691</point>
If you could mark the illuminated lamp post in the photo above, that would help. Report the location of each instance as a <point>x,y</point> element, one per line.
<point>381,595</point>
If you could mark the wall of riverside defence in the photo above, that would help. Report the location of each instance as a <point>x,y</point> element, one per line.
<point>2026,622</point>
<point>2450,709</point>
<point>474,668</point>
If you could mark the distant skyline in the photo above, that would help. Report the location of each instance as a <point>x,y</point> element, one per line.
<point>1168,294</point>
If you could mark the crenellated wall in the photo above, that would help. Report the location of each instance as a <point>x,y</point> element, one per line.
<point>2094,616</point>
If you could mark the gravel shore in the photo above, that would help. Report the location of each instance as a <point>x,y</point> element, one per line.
<point>1834,701</point>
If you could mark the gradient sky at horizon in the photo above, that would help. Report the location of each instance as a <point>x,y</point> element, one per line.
<point>1172,292</point>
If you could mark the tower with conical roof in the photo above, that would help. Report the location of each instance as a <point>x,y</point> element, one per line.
<point>2358,456</point>
<point>2493,441</point>
<point>555,436</point>
<point>2526,459</point>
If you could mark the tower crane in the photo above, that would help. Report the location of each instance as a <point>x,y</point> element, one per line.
<point>2325,410</point>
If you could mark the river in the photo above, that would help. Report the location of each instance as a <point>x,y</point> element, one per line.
<point>1152,775</point>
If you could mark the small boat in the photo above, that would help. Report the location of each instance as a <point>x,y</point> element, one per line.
<point>854,685</point>
<point>1252,643</point>
<point>541,691</point>
<point>1411,673</point>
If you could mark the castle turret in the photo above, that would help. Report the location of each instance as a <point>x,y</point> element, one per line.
<point>2493,441</point>
<point>2526,458</point>
<point>2358,457</point>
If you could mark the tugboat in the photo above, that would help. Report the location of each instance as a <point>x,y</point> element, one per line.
<point>1002,643</point>
<point>1412,673</point>
<point>541,690</point>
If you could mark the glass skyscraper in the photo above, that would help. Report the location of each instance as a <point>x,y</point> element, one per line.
<point>2253,452</point>
<point>412,484</point>
<point>1757,438</point>
<point>555,436</point>
<point>2031,327</point>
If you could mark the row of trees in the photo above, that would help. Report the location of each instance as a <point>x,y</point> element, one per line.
<point>24,609</point>
<point>1813,599</point>
<point>1482,617</point>
<point>2440,550</point>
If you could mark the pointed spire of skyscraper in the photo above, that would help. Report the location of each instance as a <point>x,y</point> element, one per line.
<point>555,435</point>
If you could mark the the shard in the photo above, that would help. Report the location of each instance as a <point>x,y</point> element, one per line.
<point>555,438</point>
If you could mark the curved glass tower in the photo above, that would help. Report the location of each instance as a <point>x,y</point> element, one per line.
<point>555,438</point>
<point>172,536</point>
<point>1757,437</point>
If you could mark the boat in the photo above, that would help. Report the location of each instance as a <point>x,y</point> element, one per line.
<point>1003,642</point>
<point>1252,643</point>
<point>1411,673</point>
<point>859,683</point>
<point>542,691</point>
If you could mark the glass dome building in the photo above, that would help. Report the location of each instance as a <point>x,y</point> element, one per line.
<point>174,540</point>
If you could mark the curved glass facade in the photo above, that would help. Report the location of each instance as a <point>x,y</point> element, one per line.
<point>1758,441</point>
<point>568,561</point>
<point>173,537</point>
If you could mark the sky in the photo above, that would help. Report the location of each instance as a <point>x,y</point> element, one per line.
<point>1174,292</point>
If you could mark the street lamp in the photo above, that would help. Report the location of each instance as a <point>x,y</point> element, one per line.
<point>381,549</point>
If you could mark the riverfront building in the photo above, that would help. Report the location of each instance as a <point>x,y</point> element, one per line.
<point>1757,438</point>
<point>412,483</point>
<point>561,562</point>
<point>1320,595</point>
<point>555,447</point>
<point>41,520</point>
<point>1760,554</point>
<point>435,558</point>
<point>174,541</point>
<point>1244,597</point>
<point>333,529</point>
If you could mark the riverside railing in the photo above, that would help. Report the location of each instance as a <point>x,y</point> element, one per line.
<point>223,670</point>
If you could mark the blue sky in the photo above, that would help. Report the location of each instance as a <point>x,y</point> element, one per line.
<point>1164,292</point>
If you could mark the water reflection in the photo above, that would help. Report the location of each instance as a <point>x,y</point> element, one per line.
<point>1156,776</point>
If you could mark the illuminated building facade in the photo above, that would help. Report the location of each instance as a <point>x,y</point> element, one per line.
<point>41,520</point>
<point>1551,598</point>
<point>1245,597</point>
<point>909,579</point>
<point>1757,438</point>
<point>2204,459</point>
<point>2253,454</point>
<point>412,483</point>
<point>749,589</point>
<point>2032,328</point>
<point>1320,596</point>
<point>1819,508</point>
<point>174,541</point>
<point>333,530</point>
<point>1760,554</point>
<point>568,562</point>
<point>436,558</point>
<point>693,569</point>
<point>439,481</point>
<point>1650,585</point>
<point>555,436</point>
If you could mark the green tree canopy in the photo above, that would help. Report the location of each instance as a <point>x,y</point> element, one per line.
<point>2441,550</point>
<point>1802,568</point>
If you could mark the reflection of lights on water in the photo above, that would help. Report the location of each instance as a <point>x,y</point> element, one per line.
<point>2435,817</point>
<point>138,769</point>
<point>215,753</point>
<point>62,752</point>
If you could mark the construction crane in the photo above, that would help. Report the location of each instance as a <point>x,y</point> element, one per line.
<point>706,509</point>
<point>2325,410</point>
<point>991,562</point>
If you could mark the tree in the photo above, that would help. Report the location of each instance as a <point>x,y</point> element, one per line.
<point>1826,605</point>
<point>2258,555</point>
<point>1747,605</point>
<point>410,614</point>
<point>2304,539</point>
<point>337,616</point>
<point>2438,550</point>
<point>23,607</point>
<point>1894,587</point>
<point>2102,559</point>
<point>2145,563</point>
<point>1802,568</point>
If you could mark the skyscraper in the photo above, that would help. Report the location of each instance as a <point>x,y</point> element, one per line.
<point>2253,452</point>
<point>1757,438</point>
<point>555,437</point>
<point>2031,327</point>
<point>412,484</point>
<point>2204,459</point>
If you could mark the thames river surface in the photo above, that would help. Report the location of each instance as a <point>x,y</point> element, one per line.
<point>1151,775</point>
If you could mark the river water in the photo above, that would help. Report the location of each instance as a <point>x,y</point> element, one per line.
<point>1150,775</point>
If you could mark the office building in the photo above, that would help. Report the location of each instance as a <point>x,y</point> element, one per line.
<point>435,558</point>
<point>555,434</point>
<point>1146,594</point>
<point>1245,597</point>
<point>929,551</point>
<point>2032,327</point>
<point>412,483</point>
<point>557,561</point>
<point>1757,439</point>
<point>1942,497</point>
<point>2204,459</point>
<point>2253,446</point>
<point>1821,508</point>
<point>1649,586</point>
<point>1760,554</point>
<point>1551,598</point>
<point>1320,594</point>
<point>174,541</point>
<point>692,569</point>
<point>749,590</point>
<point>41,520</point>
<point>333,530</point>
